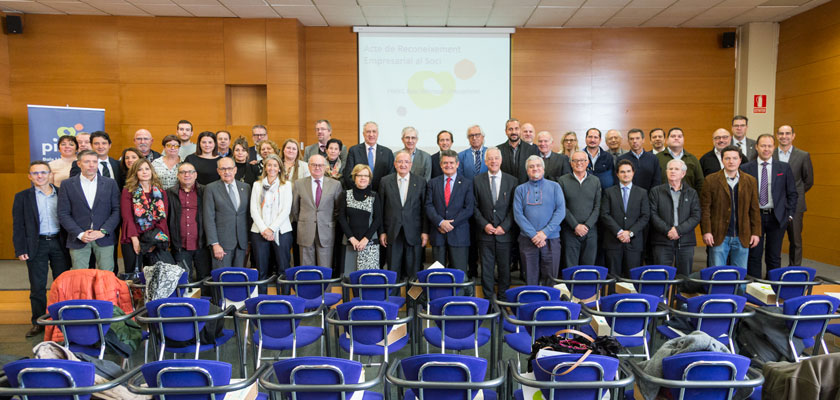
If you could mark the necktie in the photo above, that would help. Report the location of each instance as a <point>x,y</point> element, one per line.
<point>232,194</point>
<point>318,193</point>
<point>493,191</point>
<point>625,194</point>
<point>402,191</point>
<point>105,171</point>
<point>446,191</point>
<point>323,149</point>
<point>763,195</point>
<point>477,161</point>
<point>370,157</point>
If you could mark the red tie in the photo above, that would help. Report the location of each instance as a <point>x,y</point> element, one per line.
<point>446,190</point>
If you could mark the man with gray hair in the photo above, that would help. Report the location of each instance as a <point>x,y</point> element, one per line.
<point>556,164</point>
<point>583,205</point>
<point>674,213</point>
<point>471,160</point>
<point>538,208</point>
<point>379,158</point>
<point>613,140</point>
<point>143,142</point>
<point>421,162</point>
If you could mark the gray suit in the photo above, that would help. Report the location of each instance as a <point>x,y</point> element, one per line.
<point>803,175</point>
<point>226,225</point>
<point>316,225</point>
<point>421,164</point>
<point>315,148</point>
<point>752,153</point>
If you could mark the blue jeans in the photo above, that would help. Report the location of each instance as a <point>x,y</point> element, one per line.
<point>730,248</point>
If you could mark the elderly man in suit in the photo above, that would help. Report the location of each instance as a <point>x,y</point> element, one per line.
<point>449,206</point>
<point>314,206</point>
<point>35,231</point>
<point>674,214</point>
<point>89,210</point>
<point>379,158</point>
<point>471,160</point>
<point>625,211</point>
<point>777,201</point>
<point>803,175</point>
<point>323,132</point>
<point>745,145</point>
<point>582,191</point>
<point>421,162</point>
<point>556,164</point>
<point>493,220</point>
<point>405,230</point>
<point>225,215</point>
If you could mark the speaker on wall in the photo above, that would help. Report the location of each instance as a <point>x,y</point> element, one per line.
<point>728,40</point>
<point>14,24</point>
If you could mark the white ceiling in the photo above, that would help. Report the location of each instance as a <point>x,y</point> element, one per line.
<point>516,13</point>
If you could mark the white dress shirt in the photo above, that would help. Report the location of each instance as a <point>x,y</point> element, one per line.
<point>89,188</point>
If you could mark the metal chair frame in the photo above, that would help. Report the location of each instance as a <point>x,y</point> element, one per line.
<point>266,374</point>
<point>44,320</point>
<point>394,376</point>
<point>74,390</point>
<point>756,380</point>
<point>701,315</point>
<point>492,315</point>
<point>798,317</point>
<point>332,319</point>
<point>601,283</point>
<point>780,284</point>
<point>612,315</point>
<point>615,386</point>
<point>135,375</point>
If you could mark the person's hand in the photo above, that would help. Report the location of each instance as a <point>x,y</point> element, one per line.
<point>538,238</point>
<point>500,231</point>
<point>754,240</point>
<point>218,252</point>
<point>362,244</point>
<point>268,234</point>
<point>624,237</point>
<point>354,242</point>
<point>424,239</point>
<point>540,244</point>
<point>254,162</point>
<point>135,244</point>
<point>86,237</point>
<point>489,229</point>
<point>708,239</point>
<point>446,225</point>
<point>23,257</point>
<point>673,234</point>
<point>95,235</point>
<point>581,230</point>
<point>383,239</point>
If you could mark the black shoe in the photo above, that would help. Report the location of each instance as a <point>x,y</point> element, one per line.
<point>36,329</point>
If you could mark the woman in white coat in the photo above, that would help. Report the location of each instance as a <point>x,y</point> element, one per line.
<point>271,232</point>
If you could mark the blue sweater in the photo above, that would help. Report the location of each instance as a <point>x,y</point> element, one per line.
<point>539,206</point>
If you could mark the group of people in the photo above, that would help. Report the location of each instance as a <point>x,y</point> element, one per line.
<point>520,204</point>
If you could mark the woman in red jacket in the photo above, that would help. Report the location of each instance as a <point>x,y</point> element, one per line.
<point>143,207</point>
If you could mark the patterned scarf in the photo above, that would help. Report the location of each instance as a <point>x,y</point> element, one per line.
<point>145,213</point>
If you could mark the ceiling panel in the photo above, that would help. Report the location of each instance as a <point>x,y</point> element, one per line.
<point>470,12</point>
<point>272,2</point>
<point>208,11</point>
<point>383,11</point>
<point>673,16</point>
<point>561,3</point>
<point>386,21</point>
<point>254,11</point>
<point>120,9</point>
<point>466,21</point>
<point>164,10</point>
<point>425,11</point>
<point>715,16</point>
<point>28,7</point>
<point>651,3</point>
<point>550,16</point>
<point>426,21</point>
<point>758,14</point>
<point>591,17</point>
<point>644,13</point>
<point>605,3</point>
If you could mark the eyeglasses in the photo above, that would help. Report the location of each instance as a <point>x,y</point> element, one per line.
<point>363,176</point>
<point>569,140</point>
<point>189,172</point>
<point>226,169</point>
<point>172,146</point>
<point>578,161</point>
<point>472,135</point>
<point>316,165</point>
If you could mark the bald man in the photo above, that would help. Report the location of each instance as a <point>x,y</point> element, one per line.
<point>711,162</point>
<point>528,133</point>
<point>143,142</point>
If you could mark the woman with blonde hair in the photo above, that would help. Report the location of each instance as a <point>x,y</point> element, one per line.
<point>143,207</point>
<point>293,164</point>
<point>360,217</point>
<point>271,205</point>
<point>570,144</point>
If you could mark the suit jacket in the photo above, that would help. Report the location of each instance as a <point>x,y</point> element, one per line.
<point>614,218</point>
<point>466,163</point>
<point>421,164</point>
<point>710,164</point>
<point>648,174</point>
<point>715,208</point>
<point>384,160</point>
<point>517,167</point>
<point>315,148</point>
<point>409,218</point>
<point>752,153</point>
<point>556,166</point>
<point>26,223</point>
<point>460,210</point>
<point>662,215</point>
<point>311,219</point>
<point>436,171</point>
<point>782,188</point>
<point>115,165</point>
<point>499,213</point>
<point>803,174</point>
<point>175,211</point>
<point>224,224</point>
<point>76,216</point>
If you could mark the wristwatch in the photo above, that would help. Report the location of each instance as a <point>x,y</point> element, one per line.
<point>631,234</point>
<point>104,232</point>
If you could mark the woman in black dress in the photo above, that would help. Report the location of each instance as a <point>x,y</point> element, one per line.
<point>245,171</point>
<point>205,157</point>
<point>360,217</point>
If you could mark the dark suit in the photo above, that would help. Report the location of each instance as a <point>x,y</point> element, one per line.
<point>460,209</point>
<point>436,171</point>
<point>710,164</point>
<point>226,225</point>
<point>76,216</point>
<point>44,251</point>
<point>494,249</point>
<point>647,175</point>
<point>678,253</point>
<point>775,220</point>
<point>516,165</point>
<point>752,153</point>
<point>115,165</point>
<point>620,257</point>
<point>803,176</point>
<point>404,223</point>
<point>383,160</point>
<point>556,165</point>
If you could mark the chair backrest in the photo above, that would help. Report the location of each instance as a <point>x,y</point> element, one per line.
<point>179,307</point>
<point>275,305</point>
<point>791,274</point>
<point>367,310</point>
<point>178,292</point>
<point>722,273</point>
<point>705,366</point>
<point>441,275</point>
<point>555,310</point>
<point>187,373</point>
<point>715,304</point>
<point>582,273</point>
<point>318,371</point>
<point>594,368</point>
<point>653,273</point>
<point>232,274</point>
<point>444,368</point>
<point>818,304</point>
<point>629,302</point>
<point>309,273</point>
<point>45,373</point>
<point>83,337</point>
<point>372,277</point>
<point>532,293</point>
<point>458,305</point>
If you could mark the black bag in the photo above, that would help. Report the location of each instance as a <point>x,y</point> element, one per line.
<point>582,344</point>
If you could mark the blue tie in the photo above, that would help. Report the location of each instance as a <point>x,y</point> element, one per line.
<point>370,157</point>
<point>477,161</point>
<point>625,196</point>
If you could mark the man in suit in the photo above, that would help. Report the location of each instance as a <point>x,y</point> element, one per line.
<point>225,215</point>
<point>314,207</point>
<point>143,142</point>
<point>89,210</point>
<point>471,160</point>
<point>777,201</point>
<point>515,152</point>
<point>405,230</point>
<point>601,163</point>
<point>646,171</point>
<point>674,214</point>
<point>740,140</point>
<point>582,192</point>
<point>258,133</point>
<point>379,158</point>
<point>35,231</point>
<point>323,132</point>
<point>108,167</point>
<point>556,164</point>
<point>657,140</point>
<point>625,211</point>
<point>184,131</point>
<point>676,151</point>
<point>711,162</point>
<point>528,133</point>
<point>803,175</point>
<point>613,141</point>
<point>444,142</point>
<point>731,220</point>
<point>493,220</point>
<point>421,162</point>
<point>449,207</point>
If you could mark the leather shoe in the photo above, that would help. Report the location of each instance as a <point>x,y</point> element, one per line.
<point>36,329</point>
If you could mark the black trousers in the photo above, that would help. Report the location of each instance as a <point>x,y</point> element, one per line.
<point>263,249</point>
<point>769,245</point>
<point>457,257</point>
<point>494,255</point>
<point>542,263</point>
<point>681,258</point>
<point>50,255</point>
<point>620,261</point>
<point>403,258</point>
